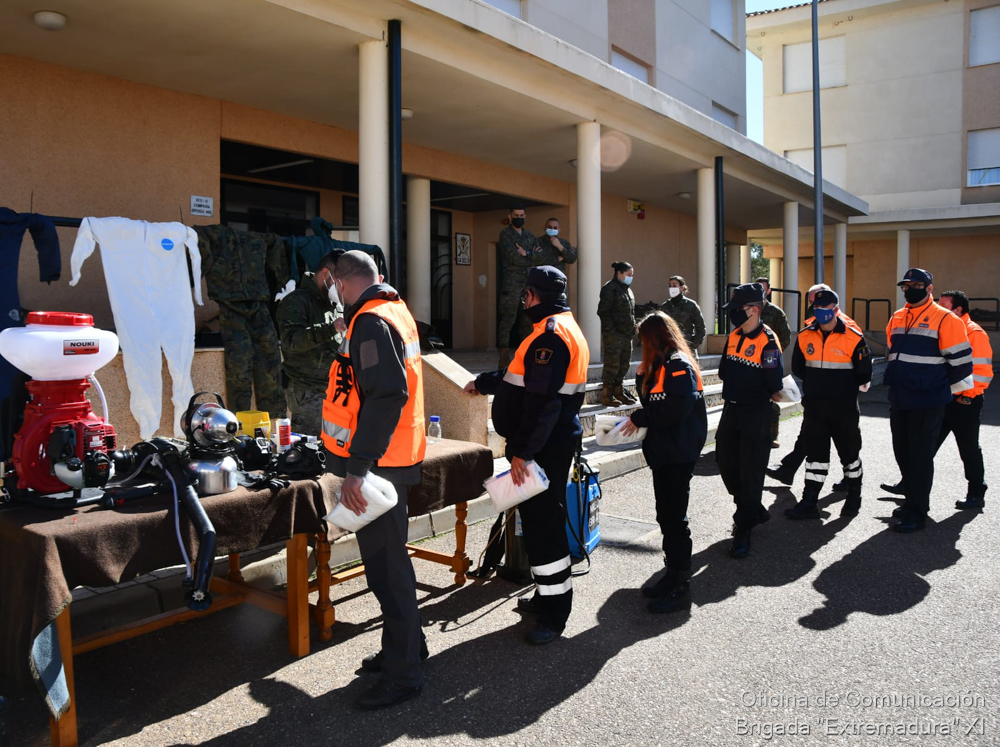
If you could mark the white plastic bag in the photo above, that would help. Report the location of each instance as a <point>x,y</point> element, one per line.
<point>381,497</point>
<point>789,390</point>
<point>504,494</point>
<point>608,431</point>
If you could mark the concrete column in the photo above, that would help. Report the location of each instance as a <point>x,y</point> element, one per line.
<point>706,247</point>
<point>746,264</point>
<point>775,274</point>
<point>902,262</point>
<point>732,263</point>
<point>418,247</point>
<point>588,232</point>
<point>840,264</point>
<point>373,146</point>
<point>791,258</point>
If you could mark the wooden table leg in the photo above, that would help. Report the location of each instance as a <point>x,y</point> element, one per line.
<point>63,731</point>
<point>324,608</point>
<point>298,594</point>
<point>235,574</point>
<point>461,563</point>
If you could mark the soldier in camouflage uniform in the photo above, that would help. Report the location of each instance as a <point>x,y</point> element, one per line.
<point>775,318</point>
<point>310,322</point>
<point>554,250</point>
<point>515,248</point>
<point>243,270</point>
<point>685,312</point>
<point>617,311</point>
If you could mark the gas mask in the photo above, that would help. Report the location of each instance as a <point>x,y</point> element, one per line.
<point>674,292</point>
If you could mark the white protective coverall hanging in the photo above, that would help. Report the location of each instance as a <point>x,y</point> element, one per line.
<point>147,277</point>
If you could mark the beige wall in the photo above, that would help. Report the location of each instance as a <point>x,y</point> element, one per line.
<point>899,114</point>
<point>980,108</point>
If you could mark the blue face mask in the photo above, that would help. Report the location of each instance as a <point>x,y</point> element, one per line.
<point>551,231</point>
<point>824,316</point>
<point>627,280</point>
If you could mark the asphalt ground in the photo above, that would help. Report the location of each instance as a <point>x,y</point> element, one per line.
<point>838,630</point>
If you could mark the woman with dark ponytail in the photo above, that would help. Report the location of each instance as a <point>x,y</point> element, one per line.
<point>673,409</point>
<point>617,312</point>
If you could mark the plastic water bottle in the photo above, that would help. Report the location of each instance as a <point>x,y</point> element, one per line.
<point>434,430</point>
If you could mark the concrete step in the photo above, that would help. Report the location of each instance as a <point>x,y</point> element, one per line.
<point>706,362</point>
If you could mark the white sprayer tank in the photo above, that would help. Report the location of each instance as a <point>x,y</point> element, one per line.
<point>58,346</point>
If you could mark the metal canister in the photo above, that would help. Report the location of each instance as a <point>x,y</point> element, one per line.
<point>282,434</point>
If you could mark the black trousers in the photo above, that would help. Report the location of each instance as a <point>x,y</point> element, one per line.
<point>672,488</point>
<point>963,421</point>
<point>839,420</point>
<point>543,521</point>
<point>742,445</point>
<point>390,576</point>
<point>914,441</point>
<point>794,458</point>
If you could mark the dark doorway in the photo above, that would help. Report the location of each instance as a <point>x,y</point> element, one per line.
<point>441,239</point>
<point>249,206</point>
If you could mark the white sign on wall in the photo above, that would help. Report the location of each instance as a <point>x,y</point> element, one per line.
<point>202,206</point>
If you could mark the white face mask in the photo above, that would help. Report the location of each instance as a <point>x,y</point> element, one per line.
<point>674,292</point>
<point>551,231</point>
<point>332,295</point>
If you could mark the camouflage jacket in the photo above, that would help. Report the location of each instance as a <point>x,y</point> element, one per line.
<point>547,254</point>
<point>241,265</point>
<point>616,309</point>
<point>688,316</point>
<point>309,340</point>
<point>774,318</point>
<point>514,267</point>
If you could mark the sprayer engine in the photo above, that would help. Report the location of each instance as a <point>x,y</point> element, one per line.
<point>61,445</point>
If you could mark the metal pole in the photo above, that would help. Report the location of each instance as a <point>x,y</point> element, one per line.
<point>720,246</point>
<point>397,261</point>
<point>818,252</point>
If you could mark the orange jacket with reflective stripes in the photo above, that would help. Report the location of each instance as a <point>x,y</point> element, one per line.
<point>833,365</point>
<point>929,357</point>
<point>342,405</point>
<point>982,358</point>
<point>564,325</point>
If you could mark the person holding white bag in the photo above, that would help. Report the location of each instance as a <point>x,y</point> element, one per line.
<point>673,409</point>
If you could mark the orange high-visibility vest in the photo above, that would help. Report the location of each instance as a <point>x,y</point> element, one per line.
<point>564,325</point>
<point>661,382</point>
<point>982,358</point>
<point>836,351</point>
<point>343,403</point>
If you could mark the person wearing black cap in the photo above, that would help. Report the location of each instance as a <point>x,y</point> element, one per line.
<point>516,248</point>
<point>929,361</point>
<point>833,362</point>
<point>751,371</point>
<point>537,409</point>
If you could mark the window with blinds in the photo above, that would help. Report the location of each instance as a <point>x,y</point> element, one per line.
<point>797,65</point>
<point>834,162</point>
<point>984,36</point>
<point>983,158</point>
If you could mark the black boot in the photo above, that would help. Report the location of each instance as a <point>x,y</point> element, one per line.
<point>741,544</point>
<point>676,598</point>
<point>852,504</point>
<point>662,587</point>
<point>806,508</point>
<point>971,503</point>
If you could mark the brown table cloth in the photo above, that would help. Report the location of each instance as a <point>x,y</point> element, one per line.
<point>47,553</point>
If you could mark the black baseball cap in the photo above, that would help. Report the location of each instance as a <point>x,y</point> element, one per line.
<point>916,275</point>
<point>547,280</point>
<point>826,298</point>
<point>745,294</point>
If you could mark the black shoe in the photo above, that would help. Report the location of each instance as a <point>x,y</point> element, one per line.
<point>781,475</point>
<point>675,600</point>
<point>482,573</point>
<point>373,662</point>
<point>776,444</point>
<point>852,506</point>
<point>741,544</point>
<point>540,635</point>
<point>840,487</point>
<point>900,512</point>
<point>909,524</point>
<point>670,580</point>
<point>803,510</point>
<point>763,515</point>
<point>896,489</point>
<point>385,694</point>
<point>971,503</point>
<point>532,605</point>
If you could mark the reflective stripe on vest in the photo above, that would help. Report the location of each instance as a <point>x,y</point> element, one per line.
<point>661,382</point>
<point>982,358</point>
<point>835,351</point>
<point>343,402</point>
<point>565,326</point>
